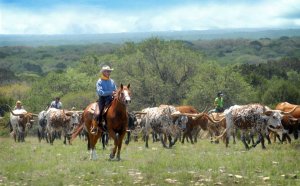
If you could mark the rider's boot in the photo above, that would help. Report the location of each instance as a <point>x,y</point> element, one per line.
<point>95,127</point>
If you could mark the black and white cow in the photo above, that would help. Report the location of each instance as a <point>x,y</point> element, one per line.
<point>160,120</point>
<point>256,118</point>
<point>61,121</point>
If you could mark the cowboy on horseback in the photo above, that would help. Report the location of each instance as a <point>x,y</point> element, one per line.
<point>105,88</point>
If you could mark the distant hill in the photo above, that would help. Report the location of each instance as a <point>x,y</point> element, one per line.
<point>55,40</point>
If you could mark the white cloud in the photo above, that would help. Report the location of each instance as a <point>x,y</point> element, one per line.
<point>85,20</point>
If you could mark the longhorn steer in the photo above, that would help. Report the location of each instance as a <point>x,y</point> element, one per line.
<point>20,121</point>
<point>60,121</point>
<point>42,122</point>
<point>292,123</point>
<point>195,123</point>
<point>159,120</point>
<point>254,117</point>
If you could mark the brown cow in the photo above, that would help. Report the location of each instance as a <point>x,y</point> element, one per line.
<point>196,122</point>
<point>290,123</point>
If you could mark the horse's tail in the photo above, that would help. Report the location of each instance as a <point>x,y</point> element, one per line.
<point>77,131</point>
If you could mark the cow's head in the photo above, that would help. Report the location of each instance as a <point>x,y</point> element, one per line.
<point>273,119</point>
<point>182,121</point>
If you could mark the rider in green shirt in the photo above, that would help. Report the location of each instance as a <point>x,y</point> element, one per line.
<point>219,103</point>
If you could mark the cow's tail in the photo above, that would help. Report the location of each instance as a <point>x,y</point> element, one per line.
<point>221,136</point>
<point>77,131</point>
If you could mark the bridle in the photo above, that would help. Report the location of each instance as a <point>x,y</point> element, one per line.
<point>123,96</point>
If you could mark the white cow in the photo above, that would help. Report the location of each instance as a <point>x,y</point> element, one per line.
<point>20,121</point>
<point>61,121</point>
<point>253,117</point>
<point>160,121</point>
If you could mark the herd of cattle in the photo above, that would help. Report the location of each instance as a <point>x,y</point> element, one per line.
<point>168,123</point>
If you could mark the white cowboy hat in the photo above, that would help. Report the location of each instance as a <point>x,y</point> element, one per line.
<point>106,68</point>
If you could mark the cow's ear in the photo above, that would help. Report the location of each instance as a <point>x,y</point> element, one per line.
<point>128,86</point>
<point>268,113</point>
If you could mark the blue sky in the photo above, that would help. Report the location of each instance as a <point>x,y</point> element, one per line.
<point>115,16</point>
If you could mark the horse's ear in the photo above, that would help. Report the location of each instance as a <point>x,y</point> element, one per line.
<point>128,86</point>
<point>121,86</point>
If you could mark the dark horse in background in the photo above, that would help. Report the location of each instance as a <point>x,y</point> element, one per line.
<point>116,119</point>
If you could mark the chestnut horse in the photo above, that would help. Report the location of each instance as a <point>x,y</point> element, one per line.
<point>116,119</point>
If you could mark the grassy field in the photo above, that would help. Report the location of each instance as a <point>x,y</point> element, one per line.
<point>34,163</point>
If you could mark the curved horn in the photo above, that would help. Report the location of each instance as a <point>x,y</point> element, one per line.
<point>289,112</point>
<point>186,114</point>
<point>221,136</point>
<point>139,112</point>
<point>69,113</point>
<point>35,115</point>
<point>212,119</point>
<point>215,120</point>
<point>13,112</point>
<point>204,108</point>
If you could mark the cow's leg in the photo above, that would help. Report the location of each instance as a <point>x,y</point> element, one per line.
<point>196,135</point>
<point>183,136</point>
<point>234,132</point>
<point>128,138</point>
<point>170,141</point>
<point>175,140</point>
<point>39,135</point>
<point>146,137</point>
<point>268,139</point>
<point>15,135</point>
<point>162,140</point>
<point>190,137</point>
<point>65,140</point>
<point>262,141</point>
<point>243,138</point>
<point>295,132</point>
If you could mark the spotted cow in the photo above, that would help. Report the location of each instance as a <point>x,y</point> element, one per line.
<point>256,118</point>
<point>159,120</point>
<point>61,121</point>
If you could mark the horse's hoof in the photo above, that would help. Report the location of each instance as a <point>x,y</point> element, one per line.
<point>111,156</point>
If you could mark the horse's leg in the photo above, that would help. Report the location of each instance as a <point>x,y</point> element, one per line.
<point>115,137</point>
<point>120,141</point>
<point>93,141</point>
<point>103,140</point>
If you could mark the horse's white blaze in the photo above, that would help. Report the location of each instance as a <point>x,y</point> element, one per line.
<point>126,95</point>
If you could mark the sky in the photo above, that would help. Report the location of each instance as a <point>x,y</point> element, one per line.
<point>119,16</point>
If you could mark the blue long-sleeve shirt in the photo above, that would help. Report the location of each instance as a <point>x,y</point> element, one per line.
<point>105,87</point>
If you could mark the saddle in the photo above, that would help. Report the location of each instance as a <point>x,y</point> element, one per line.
<point>94,110</point>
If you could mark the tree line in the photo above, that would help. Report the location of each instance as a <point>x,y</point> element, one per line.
<point>159,71</point>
